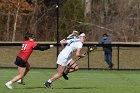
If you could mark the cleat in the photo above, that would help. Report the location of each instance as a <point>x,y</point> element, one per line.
<point>65,76</point>
<point>21,82</point>
<point>47,85</point>
<point>8,86</point>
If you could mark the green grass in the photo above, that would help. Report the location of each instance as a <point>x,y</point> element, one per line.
<point>82,81</point>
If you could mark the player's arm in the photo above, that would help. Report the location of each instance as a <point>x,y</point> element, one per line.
<point>42,48</point>
<point>78,53</point>
<point>63,42</point>
<point>101,41</point>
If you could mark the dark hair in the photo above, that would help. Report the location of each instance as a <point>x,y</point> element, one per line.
<point>105,34</point>
<point>80,33</point>
<point>28,35</point>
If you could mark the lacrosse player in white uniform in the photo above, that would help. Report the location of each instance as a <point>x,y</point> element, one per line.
<point>71,66</point>
<point>64,58</point>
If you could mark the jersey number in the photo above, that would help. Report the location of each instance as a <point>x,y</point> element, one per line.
<point>70,43</point>
<point>24,46</point>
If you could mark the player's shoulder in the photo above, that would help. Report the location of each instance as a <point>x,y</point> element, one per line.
<point>78,41</point>
<point>71,40</point>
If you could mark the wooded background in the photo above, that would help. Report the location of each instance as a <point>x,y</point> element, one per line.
<point>119,18</point>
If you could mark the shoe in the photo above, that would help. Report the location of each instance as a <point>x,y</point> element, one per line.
<point>21,82</point>
<point>110,67</point>
<point>65,76</point>
<point>47,85</point>
<point>9,86</point>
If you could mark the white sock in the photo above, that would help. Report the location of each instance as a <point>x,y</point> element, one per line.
<point>49,81</point>
<point>19,80</point>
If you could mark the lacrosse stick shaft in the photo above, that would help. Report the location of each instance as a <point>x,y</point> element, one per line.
<point>78,59</point>
<point>66,71</point>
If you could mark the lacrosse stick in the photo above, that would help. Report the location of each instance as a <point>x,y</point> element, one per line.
<point>73,35</point>
<point>66,71</point>
<point>89,50</point>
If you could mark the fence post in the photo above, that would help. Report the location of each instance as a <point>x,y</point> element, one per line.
<point>57,28</point>
<point>118,56</point>
<point>88,59</point>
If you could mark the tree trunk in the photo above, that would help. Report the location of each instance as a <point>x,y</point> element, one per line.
<point>33,20</point>
<point>15,24</point>
<point>87,14</point>
<point>8,24</point>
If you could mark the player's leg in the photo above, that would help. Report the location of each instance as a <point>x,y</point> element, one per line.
<point>27,68</point>
<point>66,70</point>
<point>21,81</point>
<point>62,62</point>
<point>21,71</point>
<point>60,70</point>
<point>59,73</point>
<point>72,66</point>
<point>65,73</point>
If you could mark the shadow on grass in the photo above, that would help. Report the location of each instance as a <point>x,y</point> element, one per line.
<point>77,88</point>
<point>60,88</point>
<point>32,88</point>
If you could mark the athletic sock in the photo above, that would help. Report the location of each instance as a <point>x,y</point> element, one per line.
<point>19,80</point>
<point>49,81</point>
<point>9,83</point>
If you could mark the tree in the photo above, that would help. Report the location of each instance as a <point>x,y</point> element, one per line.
<point>88,9</point>
<point>15,24</point>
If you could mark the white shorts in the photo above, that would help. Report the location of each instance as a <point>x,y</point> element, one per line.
<point>61,60</point>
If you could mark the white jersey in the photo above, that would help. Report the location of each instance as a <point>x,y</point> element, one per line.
<point>72,45</point>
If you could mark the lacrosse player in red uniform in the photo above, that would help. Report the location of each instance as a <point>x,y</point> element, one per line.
<point>22,58</point>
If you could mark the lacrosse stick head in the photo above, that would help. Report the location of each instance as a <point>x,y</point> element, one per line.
<point>73,35</point>
<point>92,48</point>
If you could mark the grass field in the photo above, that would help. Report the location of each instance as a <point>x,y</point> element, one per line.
<point>82,81</point>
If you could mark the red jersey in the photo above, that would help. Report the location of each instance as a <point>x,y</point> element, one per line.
<point>26,50</point>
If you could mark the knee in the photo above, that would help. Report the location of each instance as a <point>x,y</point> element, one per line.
<point>76,68</point>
